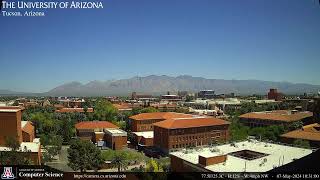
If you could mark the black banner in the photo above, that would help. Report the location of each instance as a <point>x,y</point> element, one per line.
<point>45,172</point>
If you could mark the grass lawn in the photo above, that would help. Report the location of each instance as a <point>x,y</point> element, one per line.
<point>131,155</point>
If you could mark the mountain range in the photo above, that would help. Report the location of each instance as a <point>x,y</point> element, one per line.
<point>9,92</point>
<point>156,85</point>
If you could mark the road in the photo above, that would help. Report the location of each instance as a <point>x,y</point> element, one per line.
<point>62,162</point>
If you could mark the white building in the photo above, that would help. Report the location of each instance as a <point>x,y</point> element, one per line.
<point>245,156</point>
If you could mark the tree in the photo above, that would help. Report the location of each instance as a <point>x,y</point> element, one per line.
<point>122,124</point>
<point>270,132</point>
<point>189,98</point>
<point>301,143</point>
<point>67,130</point>
<point>182,110</point>
<point>104,110</point>
<point>85,109</point>
<point>12,143</point>
<point>153,166</point>
<point>237,130</point>
<point>44,122</point>
<point>164,164</point>
<point>258,132</point>
<point>119,161</point>
<point>296,125</point>
<point>14,156</point>
<point>136,110</point>
<point>16,103</point>
<point>84,155</point>
<point>144,110</point>
<point>52,145</point>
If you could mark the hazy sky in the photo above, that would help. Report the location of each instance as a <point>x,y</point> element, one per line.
<point>229,39</point>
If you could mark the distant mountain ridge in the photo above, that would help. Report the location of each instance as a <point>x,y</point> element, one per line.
<point>154,84</point>
<point>5,92</point>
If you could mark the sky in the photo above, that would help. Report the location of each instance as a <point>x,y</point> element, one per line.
<point>274,40</point>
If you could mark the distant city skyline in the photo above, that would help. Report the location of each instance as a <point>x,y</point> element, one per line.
<point>271,40</point>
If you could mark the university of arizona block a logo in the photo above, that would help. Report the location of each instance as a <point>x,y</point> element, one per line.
<point>7,173</point>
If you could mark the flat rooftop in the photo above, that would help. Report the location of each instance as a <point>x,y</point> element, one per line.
<point>263,101</point>
<point>9,110</point>
<point>145,134</point>
<point>29,146</point>
<point>23,123</point>
<point>116,132</point>
<point>275,155</point>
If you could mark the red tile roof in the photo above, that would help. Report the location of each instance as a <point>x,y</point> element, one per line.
<point>309,132</point>
<point>58,106</point>
<point>279,115</point>
<point>123,106</point>
<point>164,105</point>
<point>160,115</point>
<point>67,110</point>
<point>95,125</point>
<point>190,122</point>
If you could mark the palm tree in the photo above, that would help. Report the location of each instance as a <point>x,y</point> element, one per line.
<point>119,161</point>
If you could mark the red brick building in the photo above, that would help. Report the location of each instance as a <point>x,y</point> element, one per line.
<point>137,96</point>
<point>177,133</point>
<point>164,107</point>
<point>274,94</point>
<point>11,126</point>
<point>103,133</point>
<point>310,133</point>
<point>27,131</point>
<point>170,98</point>
<point>115,138</point>
<point>10,123</point>
<point>144,138</point>
<point>277,117</point>
<point>123,107</point>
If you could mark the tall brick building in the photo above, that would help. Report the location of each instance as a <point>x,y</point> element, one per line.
<point>10,123</point>
<point>11,126</point>
<point>274,94</point>
<point>177,133</point>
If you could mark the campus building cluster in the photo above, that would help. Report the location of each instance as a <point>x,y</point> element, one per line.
<point>196,140</point>
<point>102,133</point>
<point>171,130</point>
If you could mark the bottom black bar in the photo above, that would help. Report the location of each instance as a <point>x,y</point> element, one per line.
<point>45,172</point>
